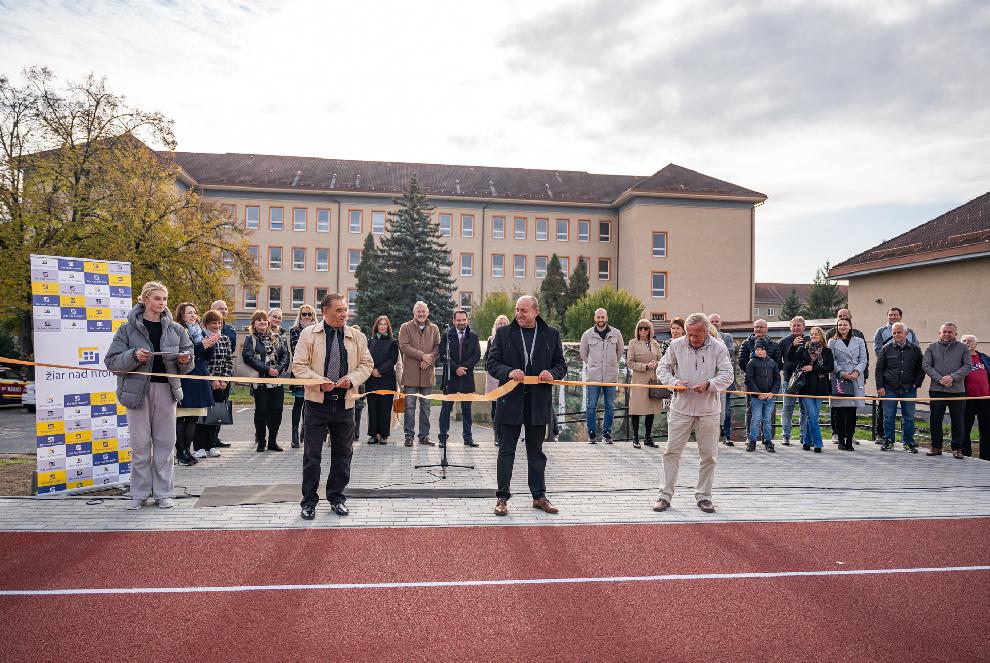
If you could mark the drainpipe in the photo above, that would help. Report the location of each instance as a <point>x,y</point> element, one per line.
<point>484,234</point>
<point>340,223</point>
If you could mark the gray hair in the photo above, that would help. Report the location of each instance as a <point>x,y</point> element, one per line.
<point>531,299</point>
<point>798,318</point>
<point>696,319</point>
<point>965,338</point>
<point>950,324</point>
<point>899,324</point>
<point>421,303</point>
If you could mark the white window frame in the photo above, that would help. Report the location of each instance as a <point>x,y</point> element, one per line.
<point>322,226</point>
<point>500,271</point>
<point>298,266</point>
<point>661,252</point>
<point>378,222</point>
<point>326,262</point>
<point>296,303</point>
<point>467,225</point>
<point>515,266</point>
<point>247,217</point>
<point>351,228</point>
<point>498,227</point>
<point>351,264</point>
<point>295,219</point>
<point>608,269</point>
<point>271,219</point>
<point>467,269</point>
<point>515,227</point>
<point>605,224</point>
<point>567,230</point>
<point>271,261</point>
<point>449,218</point>
<point>537,272</point>
<point>653,288</point>
<point>545,235</point>
<point>250,299</point>
<point>276,303</point>
<point>586,235</point>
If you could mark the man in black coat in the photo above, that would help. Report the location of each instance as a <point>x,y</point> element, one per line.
<point>527,346</point>
<point>459,350</point>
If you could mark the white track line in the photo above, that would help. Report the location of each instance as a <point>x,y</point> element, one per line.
<point>483,583</point>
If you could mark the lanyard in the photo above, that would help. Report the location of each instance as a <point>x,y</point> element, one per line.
<point>528,354</point>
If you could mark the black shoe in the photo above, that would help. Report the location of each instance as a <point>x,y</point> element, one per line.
<point>295,445</point>
<point>441,443</point>
<point>275,447</point>
<point>221,445</point>
<point>383,440</point>
<point>261,446</point>
<point>340,509</point>
<point>751,446</point>
<point>308,512</point>
<point>636,444</point>
<point>842,445</point>
<point>786,442</point>
<point>591,439</point>
<point>769,447</point>
<point>372,440</point>
<point>806,447</point>
<point>818,450</point>
<point>295,438</point>
<point>471,443</point>
<point>607,438</point>
<point>183,458</point>
<point>729,443</point>
<point>649,442</point>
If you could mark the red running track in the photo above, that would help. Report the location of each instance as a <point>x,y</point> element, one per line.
<point>895,617</point>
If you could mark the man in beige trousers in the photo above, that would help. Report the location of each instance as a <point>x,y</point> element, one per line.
<point>419,340</point>
<point>702,365</point>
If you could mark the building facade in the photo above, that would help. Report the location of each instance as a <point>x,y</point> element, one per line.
<point>656,236</point>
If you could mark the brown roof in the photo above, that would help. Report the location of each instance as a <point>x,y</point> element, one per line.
<point>310,173</point>
<point>961,231</point>
<point>769,293</point>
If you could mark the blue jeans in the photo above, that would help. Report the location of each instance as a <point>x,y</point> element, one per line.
<point>727,415</point>
<point>762,416</point>
<point>787,416</point>
<point>591,405</point>
<point>907,415</point>
<point>811,432</point>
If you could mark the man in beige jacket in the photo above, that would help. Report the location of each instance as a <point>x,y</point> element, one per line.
<point>337,354</point>
<point>701,364</point>
<point>419,340</point>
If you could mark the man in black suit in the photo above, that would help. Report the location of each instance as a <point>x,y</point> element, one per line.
<point>526,346</point>
<point>460,350</point>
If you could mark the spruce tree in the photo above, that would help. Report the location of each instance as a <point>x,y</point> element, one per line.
<point>824,298</point>
<point>372,286</point>
<point>578,286</point>
<point>553,293</point>
<point>792,306</point>
<point>415,261</point>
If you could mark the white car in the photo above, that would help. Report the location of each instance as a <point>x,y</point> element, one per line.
<point>28,397</point>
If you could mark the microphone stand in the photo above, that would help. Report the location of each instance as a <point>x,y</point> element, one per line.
<point>445,384</point>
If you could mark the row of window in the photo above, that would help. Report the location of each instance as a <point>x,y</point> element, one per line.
<point>297,297</point>
<point>756,312</point>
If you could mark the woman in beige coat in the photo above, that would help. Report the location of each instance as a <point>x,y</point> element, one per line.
<point>642,355</point>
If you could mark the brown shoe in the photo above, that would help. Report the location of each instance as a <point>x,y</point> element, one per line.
<point>409,441</point>
<point>956,453</point>
<point>427,441</point>
<point>706,506</point>
<point>501,507</point>
<point>934,452</point>
<point>661,505</point>
<point>543,504</point>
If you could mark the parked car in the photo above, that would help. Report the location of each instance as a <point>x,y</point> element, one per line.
<point>28,398</point>
<point>12,385</point>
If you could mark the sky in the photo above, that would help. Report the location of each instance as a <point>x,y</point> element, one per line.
<point>859,119</point>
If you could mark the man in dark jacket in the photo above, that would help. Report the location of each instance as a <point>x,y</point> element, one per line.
<point>746,352</point>
<point>784,347</point>
<point>460,350</point>
<point>528,346</point>
<point>899,374</point>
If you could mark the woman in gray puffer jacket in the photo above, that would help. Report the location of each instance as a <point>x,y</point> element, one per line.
<point>150,400</point>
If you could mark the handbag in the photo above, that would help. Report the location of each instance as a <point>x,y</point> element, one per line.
<point>843,387</point>
<point>218,414</point>
<point>657,393</point>
<point>796,382</point>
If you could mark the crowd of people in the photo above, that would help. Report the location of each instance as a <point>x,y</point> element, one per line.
<point>171,414</point>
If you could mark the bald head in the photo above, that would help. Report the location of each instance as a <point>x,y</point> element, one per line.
<point>601,318</point>
<point>527,308</point>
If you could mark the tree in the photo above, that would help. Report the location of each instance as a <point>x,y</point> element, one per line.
<point>824,297</point>
<point>553,293</point>
<point>578,285</point>
<point>792,306</point>
<point>372,285</point>
<point>624,311</point>
<point>416,261</point>
<point>77,179</point>
<point>494,305</point>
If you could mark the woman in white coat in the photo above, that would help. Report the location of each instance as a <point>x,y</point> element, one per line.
<point>850,357</point>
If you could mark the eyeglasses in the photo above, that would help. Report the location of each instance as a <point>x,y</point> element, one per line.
<point>305,315</point>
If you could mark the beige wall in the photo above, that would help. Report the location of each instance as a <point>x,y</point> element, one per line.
<point>708,263</point>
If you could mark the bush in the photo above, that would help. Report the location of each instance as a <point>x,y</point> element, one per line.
<point>624,311</point>
<point>484,314</point>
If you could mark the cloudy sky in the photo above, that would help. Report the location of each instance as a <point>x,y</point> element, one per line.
<point>858,119</point>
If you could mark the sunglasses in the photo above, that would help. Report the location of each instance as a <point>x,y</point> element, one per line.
<point>306,315</point>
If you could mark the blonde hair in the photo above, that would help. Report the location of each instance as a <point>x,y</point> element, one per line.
<point>150,287</point>
<point>644,323</point>
<point>495,324</point>
<point>821,334</point>
<point>302,309</point>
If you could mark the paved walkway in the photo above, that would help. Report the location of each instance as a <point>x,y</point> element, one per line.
<point>590,484</point>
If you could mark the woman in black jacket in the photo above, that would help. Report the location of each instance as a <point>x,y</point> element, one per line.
<point>305,318</point>
<point>815,362</point>
<point>197,396</point>
<point>384,351</point>
<point>268,354</point>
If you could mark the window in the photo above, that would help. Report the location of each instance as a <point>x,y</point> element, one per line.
<point>275,220</point>
<point>563,230</point>
<point>299,219</point>
<point>658,287</point>
<point>467,264</point>
<point>587,264</point>
<point>584,230</point>
<point>540,267</point>
<point>322,220</point>
<point>250,299</point>
<point>354,221</point>
<point>298,258</point>
<point>498,265</point>
<point>498,227</point>
<point>378,223</point>
<point>228,260</point>
<point>320,294</point>
<point>253,250</point>
<point>322,260</point>
<point>446,221</point>
<point>274,257</point>
<point>542,226</point>
<point>351,301</point>
<point>467,225</point>
<point>658,316</point>
<point>252,215</point>
<point>769,311</point>
<point>231,211</point>
<point>274,296</point>
<point>519,266</point>
<point>466,300</point>
<point>659,245</point>
<point>604,267</point>
<point>353,259</point>
<point>565,265</point>
<point>519,227</point>
<point>298,298</point>
<point>756,312</point>
<point>604,231</point>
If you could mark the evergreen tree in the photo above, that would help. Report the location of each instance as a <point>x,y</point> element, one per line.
<point>553,293</point>
<point>792,306</point>
<point>415,261</point>
<point>824,298</point>
<point>578,286</point>
<point>372,286</point>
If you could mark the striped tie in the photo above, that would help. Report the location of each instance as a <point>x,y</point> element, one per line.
<point>333,362</point>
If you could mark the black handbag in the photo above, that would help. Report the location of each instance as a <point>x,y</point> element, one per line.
<point>218,414</point>
<point>657,393</point>
<point>796,382</point>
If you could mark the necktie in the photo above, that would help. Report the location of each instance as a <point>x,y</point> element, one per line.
<point>333,362</point>
<point>461,344</point>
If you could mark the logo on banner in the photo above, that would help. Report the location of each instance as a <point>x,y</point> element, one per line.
<point>89,356</point>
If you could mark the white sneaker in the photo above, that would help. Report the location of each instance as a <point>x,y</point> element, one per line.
<point>213,453</point>
<point>133,505</point>
<point>165,502</point>
<point>200,453</point>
